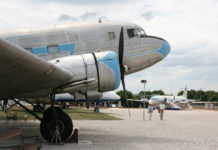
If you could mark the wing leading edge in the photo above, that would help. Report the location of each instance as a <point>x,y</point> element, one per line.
<point>21,72</point>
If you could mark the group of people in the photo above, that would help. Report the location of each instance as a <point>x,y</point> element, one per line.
<point>160,110</point>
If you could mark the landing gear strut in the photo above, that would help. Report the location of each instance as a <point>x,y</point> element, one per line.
<point>56,126</point>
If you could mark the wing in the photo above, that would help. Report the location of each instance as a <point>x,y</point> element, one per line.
<point>21,72</point>
<point>135,100</point>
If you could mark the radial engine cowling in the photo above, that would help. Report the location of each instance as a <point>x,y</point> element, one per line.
<point>102,67</point>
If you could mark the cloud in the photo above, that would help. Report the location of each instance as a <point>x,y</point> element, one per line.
<point>148,15</point>
<point>87,16</point>
<point>83,2</point>
<point>66,17</point>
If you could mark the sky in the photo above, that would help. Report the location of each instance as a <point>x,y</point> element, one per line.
<point>190,26</point>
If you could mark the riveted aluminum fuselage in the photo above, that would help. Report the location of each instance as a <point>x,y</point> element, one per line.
<point>83,38</point>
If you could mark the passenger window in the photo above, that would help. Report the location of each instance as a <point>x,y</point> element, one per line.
<point>111,35</point>
<point>132,33</point>
<point>52,49</point>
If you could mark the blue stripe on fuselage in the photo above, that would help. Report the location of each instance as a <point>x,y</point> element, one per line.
<point>67,47</point>
<point>163,51</point>
<point>61,48</point>
<point>114,65</point>
<point>40,50</point>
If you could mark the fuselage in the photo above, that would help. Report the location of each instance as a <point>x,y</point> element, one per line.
<point>55,41</point>
<point>156,100</point>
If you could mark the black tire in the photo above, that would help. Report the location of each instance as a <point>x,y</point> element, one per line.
<point>64,122</point>
<point>48,114</point>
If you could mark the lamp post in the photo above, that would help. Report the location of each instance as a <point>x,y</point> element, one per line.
<point>144,82</point>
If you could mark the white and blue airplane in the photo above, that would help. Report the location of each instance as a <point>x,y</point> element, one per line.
<point>110,96</point>
<point>82,59</point>
<point>173,101</point>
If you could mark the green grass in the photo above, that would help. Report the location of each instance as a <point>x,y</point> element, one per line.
<point>87,114</point>
<point>74,113</point>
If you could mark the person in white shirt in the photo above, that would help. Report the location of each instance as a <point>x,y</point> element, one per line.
<point>161,108</point>
<point>150,110</point>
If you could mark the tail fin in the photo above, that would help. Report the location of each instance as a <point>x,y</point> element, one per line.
<point>185,92</point>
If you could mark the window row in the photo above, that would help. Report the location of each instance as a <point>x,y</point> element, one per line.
<point>52,49</point>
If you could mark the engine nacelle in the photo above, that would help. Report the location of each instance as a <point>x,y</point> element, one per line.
<point>101,66</point>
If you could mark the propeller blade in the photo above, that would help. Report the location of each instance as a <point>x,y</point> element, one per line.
<point>121,49</point>
<point>122,71</point>
<point>125,96</point>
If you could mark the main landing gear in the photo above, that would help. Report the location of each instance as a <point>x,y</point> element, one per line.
<point>56,126</point>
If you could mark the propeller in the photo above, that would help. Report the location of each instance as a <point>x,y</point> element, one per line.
<point>122,68</point>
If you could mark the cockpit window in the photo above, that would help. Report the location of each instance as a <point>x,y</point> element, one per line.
<point>141,32</point>
<point>132,33</point>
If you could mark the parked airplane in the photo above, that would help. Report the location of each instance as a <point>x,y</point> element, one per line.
<point>171,100</point>
<point>80,59</point>
<point>110,96</point>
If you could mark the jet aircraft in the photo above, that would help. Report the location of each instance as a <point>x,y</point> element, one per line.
<point>82,59</point>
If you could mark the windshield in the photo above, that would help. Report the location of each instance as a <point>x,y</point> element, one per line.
<point>141,32</point>
<point>136,32</point>
<point>132,33</point>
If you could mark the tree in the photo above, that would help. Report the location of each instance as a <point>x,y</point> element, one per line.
<point>202,95</point>
<point>180,93</point>
<point>158,92</point>
<point>129,96</point>
<point>147,94</point>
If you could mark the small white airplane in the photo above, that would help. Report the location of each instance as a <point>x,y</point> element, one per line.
<point>171,100</point>
<point>82,59</point>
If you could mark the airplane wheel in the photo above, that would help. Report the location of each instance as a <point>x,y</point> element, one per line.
<point>47,115</point>
<point>47,126</point>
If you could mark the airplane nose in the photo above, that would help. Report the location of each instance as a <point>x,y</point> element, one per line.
<point>164,49</point>
<point>164,46</point>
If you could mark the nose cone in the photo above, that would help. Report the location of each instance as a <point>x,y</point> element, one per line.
<point>164,49</point>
